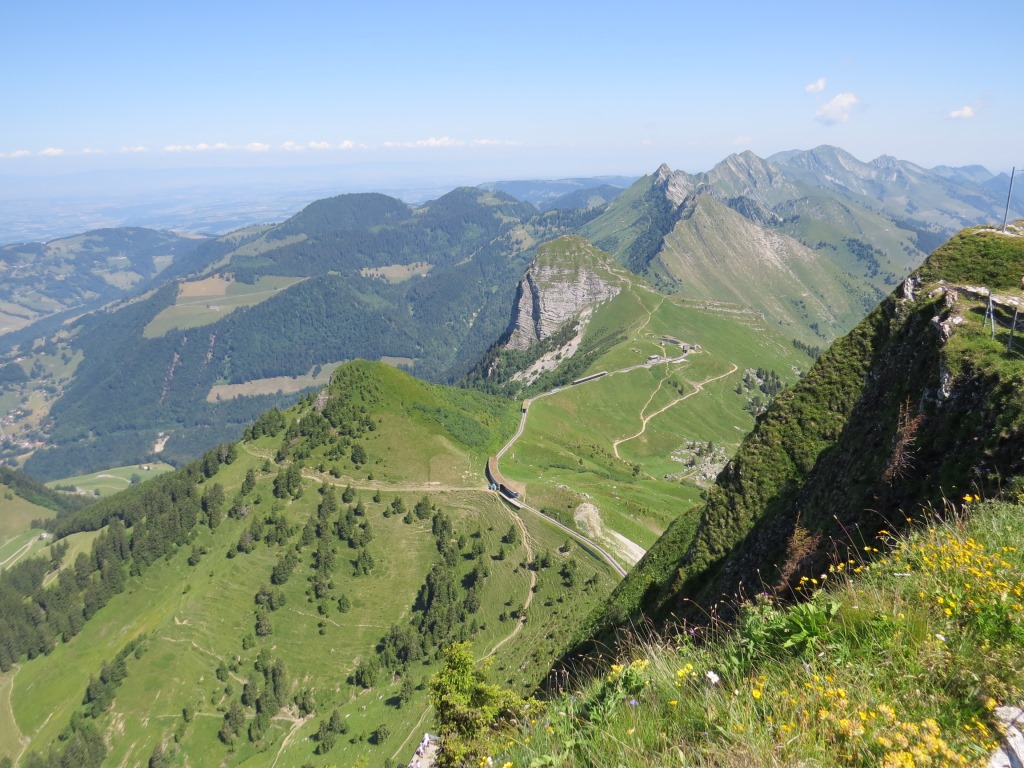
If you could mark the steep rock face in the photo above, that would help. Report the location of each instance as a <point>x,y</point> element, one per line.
<point>549,295</point>
<point>675,185</point>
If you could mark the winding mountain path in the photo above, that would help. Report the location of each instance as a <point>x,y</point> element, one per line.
<point>529,594</point>
<point>647,419</point>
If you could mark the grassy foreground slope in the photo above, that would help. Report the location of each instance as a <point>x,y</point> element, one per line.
<point>226,611</point>
<point>906,662</point>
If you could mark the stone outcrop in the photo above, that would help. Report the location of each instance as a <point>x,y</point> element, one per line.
<point>548,296</point>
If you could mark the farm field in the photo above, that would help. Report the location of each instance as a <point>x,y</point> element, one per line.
<point>109,481</point>
<point>205,301</point>
<point>397,273</point>
<point>315,377</point>
<point>17,539</point>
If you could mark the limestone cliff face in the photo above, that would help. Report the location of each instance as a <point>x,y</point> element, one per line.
<point>549,295</point>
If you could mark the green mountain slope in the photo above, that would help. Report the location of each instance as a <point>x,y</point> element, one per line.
<point>812,240</point>
<point>887,666</point>
<point>622,456</point>
<point>225,611</point>
<point>269,310</point>
<point>716,253</point>
<point>916,406</point>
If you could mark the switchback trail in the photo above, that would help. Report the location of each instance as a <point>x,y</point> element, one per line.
<point>646,419</point>
<point>529,593</point>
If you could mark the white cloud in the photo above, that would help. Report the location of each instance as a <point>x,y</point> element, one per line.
<point>51,152</point>
<point>816,87</point>
<point>202,146</point>
<point>433,141</point>
<point>964,113</point>
<point>443,141</point>
<point>294,146</point>
<point>134,149</point>
<point>837,109</point>
<point>347,144</point>
<point>180,148</point>
<point>256,146</point>
<point>15,153</point>
<point>496,143</point>
<point>91,151</point>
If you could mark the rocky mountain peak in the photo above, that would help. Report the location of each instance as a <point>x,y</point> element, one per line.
<point>676,185</point>
<point>562,282</point>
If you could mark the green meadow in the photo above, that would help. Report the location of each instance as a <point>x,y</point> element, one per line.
<point>109,481</point>
<point>193,311</point>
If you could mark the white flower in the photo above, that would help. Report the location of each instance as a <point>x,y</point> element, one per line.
<point>712,677</point>
<point>940,637</point>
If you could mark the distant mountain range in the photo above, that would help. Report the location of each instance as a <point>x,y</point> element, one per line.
<point>563,193</point>
<point>810,240</point>
<point>813,239</point>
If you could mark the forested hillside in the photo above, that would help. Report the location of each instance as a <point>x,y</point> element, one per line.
<point>428,288</point>
<point>264,313</point>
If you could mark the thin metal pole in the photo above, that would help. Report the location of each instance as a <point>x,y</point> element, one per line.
<point>1009,344</point>
<point>1008,193</point>
<point>992,314</point>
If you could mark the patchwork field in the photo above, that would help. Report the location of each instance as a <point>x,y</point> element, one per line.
<point>210,286</point>
<point>397,273</point>
<point>315,377</point>
<point>202,302</point>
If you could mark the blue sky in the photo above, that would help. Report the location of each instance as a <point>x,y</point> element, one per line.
<point>502,90</point>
